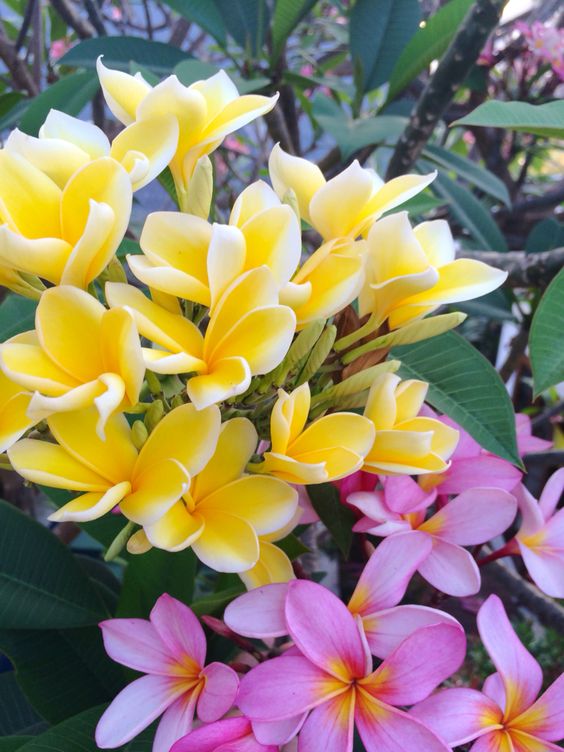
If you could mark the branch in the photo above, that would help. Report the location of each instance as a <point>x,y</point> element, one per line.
<point>81,26</point>
<point>443,85</point>
<point>551,198</point>
<point>19,72</point>
<point>524,269</point>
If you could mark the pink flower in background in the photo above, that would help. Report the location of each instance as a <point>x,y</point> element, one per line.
<point>261,613</point>
<point>59,47</point>
<point>541,536</point>
<point>327,686</point>
<point>229,735</point>
<point>359,481</point>
<point>473,517</point>
<point>170,649</point>
<point>526,442</point>
<point>546,43</point>
<point>235,144</point>
<point>506,717</point>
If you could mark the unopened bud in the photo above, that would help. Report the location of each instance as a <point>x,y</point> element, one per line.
<point>139,434</point>
<point>154,415</point>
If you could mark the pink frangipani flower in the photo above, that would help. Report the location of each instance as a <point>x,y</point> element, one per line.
<point>526,442</point>
<point>327,686</point>
<point>170,649</point>
<point>228,735</point>
<point>473,517</point>
<point>507,716</point>
<point>541,536</point>
<point>261,612</point>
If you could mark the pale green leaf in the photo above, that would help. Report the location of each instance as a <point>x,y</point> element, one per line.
<point>545,343</point>
<point>540,119</point>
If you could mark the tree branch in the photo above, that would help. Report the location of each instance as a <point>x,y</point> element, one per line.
<point>524,269</point>
<point>19,72</point>
<point>66,11</point>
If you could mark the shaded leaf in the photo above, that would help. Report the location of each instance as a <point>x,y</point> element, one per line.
<point>12,743</point>
<point>540,119</point>
<point>70,94</point>
<point>545,341</point>
<point>204,13</point>
<point>545,235</point>
<point>292,546</point>
<point>246,21</point>
<point>336,517</point>
<point>17,315</point>
<point>16,714</point>
<point>212,604</point>
<point>120,51</point>
<point>287,15</point>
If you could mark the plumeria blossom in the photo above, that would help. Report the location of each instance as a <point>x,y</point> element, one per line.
<point>412,271</point>
<point>506,716</point>
<point>206,112</point>
<point>223,512</point>
<point>261,612</point>
<point>227,735</point>
<point>527,443</point>
<point>345,206</point>
<point>79,354</point>
<point>145,484</point>
<point>65,144</point>
<point>170,649</point>
<point>65,235</point>
<point>330,674</point>
<point>14,420</point>
<point>406,442</point>
<point>540,539</point>
<point>187,257</point>
<point>329,448</point>
<point>473,517</point>
<point>249,333</point>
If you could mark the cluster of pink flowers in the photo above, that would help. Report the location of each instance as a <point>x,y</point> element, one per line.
<point>546,43</point>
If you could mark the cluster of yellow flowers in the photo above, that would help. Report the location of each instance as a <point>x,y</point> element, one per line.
<point>161,396</point>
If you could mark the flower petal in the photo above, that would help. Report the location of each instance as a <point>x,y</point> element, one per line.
<point>176,530</point>
<point>45,257</point>
<point>208,738</point>
<point>552,493</point>
<point>495,741</point>
<point>219,692</point>
<point>155,491</point>
<point>273,566</point>
<point>545,718</point>
<point>336,207</point>
<point>136,643</point>
<point>179,630</point>
<point>273,238</point>
<point>228,378</point>
<point>259,613</point>
<point>123,93</point>
<point>294,173</point>
<point>330,726</point>
<point>492,472</point>
<point>545,567</point>
<point>451,569</point>
<point>225,259</point>
<point>91,506</point>
<point>227,543</point>
<point>176,722</point>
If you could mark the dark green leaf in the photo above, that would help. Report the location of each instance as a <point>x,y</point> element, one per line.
<point>17,315</point>
<point>495,305</point>
<point>336,517</point>
<point>541,119</point>
<point>204,13</point>
<point>119,52</point>
<point>126,247</point>
<point>46,588</point>
<point>465,386</point>
<point>70,94</point>
<point>12,743</point>
<point>292,546</point>
<point>246,21</point>
<point>545,235</point>
<point>12,104</point>
<point>427,44</point>
<point>216,602</point>
<point>287,15</point>
<point>16,714</point>
<point>545,343</point>
<point>379,31</point>
<point>420,205</point>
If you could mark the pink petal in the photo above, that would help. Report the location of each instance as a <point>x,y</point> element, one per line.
<point>259,613</point>
<point>458,715</point>
<point>386,729</point>
<point>386,576</point>
<point>526,743</point>
<point>278,732</point>
<point>330,727</point>
<point>491,471</point>
<point>175,723</point>
<point>324,630</point>
<point>219,692</point>
<point>420,663</point>
<point>179,629</point>
<point>246,744</point>
<point>494,689</point>
<point>519,671</point>
<point>451,569</point>
<point>208,738</point>
<point>284,687</point>
<point>404,495</point>
<point>136,643</point>
<point>531,513</point>
<point>385,630</point>
<point>496,741</point>
<point>373,506</point>
<point>546,569</point>
<point>467,446</point>
<point>526,442</point>
<point>473,517</point>
<point>545,718</point>
<point>135,708</point>
<point>381,530</point>
<point>551,493</point>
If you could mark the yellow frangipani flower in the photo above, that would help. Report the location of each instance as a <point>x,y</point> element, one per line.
<point>187,257</point>
<point>14,421</point>
<point>206,111</point>
<point>66,144</point>
<point>348,204</point>
<point>406,443</point>
<point>145,484</point>
<point>28,285</point>
<point>328,449</point>
<point>66,236</point>
<point>412,271</point>
<point>223,512</point>
<point>248,334</point>
<point>79,354</point>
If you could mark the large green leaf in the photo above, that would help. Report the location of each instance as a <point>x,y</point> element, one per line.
<point>16,714</point>
<point>336,517</point>
<point>471,213</point>
<point>62,672</point>
<point>545,235</point>
<point>41,584</point>
<point>12,105</point>
<point>17,315</point>
<point>71,95</point>
<point>540,119</point>
<point>119,52</point>
<point>465,386</point>
<point>246,21</point>
<point>287,15</point>
<point>204,13</point>
<point>379,31</point>
<point>216,602</point>
<point>428,43</point>
<point>12,743</point>
<point>483,179</point>
<point>545,342</point>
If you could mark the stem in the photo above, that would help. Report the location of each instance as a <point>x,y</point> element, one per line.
<point>510,549</point>
<point>119,542</point>
<point>370,326</point>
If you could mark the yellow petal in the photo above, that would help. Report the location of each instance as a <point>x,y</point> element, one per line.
<point>444,439</point>
<point>228,378</point>
<point>295,295</point>
<point>121,351</point>
<point>177,240</point>
<point>436,240</point>
<point>86,136</point>
<point>336,207</point>
<point>138,543</point>
<point>155,491</point>
<point>14,420</point>
<point>288,417</point>
<point>169,280</point>
<point>273,238</point>
<point>294,173</point>
<point>226,259</point>
<point>394,193</point>
<point>123,93</point>
<point>160,361</point>
<point>196,198</point>
<point>89,256</point>
<point>237,114</point>
<point>339,461</point>
<point>218,90</point>
<point>227,543</point>
<point>254,199</point>
<point>45,257</point>
<point>80,397</point>
<point>30,366</point>
<point>404,453</point>
<point>292,470</point>
<point>347,430</point>
<point>109,401</point>
<point>410,396</point>
<point>91,506</point>
<point>273,566</point>
<point>176,530</point>
<point>381,403</point>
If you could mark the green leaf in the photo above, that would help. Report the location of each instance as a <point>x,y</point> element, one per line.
<point>540,119</point>
<point>12,104</point>
<point>478,176</point>
<point>336,517</point>
<point>465,386</point>
<point>379,31</point>
<point>149,575</point>
<point>292,546</point>
<point>62,672</point>
<point>420,205</point>
<point>427,44</point>
<point>17,315</point>
<point>471,213</point>
<point>287,15</point>
<point>41,584</point>
<point>16,714</point>
<point>70,94</point>
<point>204,13</point>
<point>119,52</point>
<point>545,235</point>
<point>12,743</point>
<point>246,21</point>
<point>545,342</point>
<point>216,602</point>
<point>128,246</point>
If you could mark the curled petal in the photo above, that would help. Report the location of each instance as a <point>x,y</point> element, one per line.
<point>219,692</point>
<point>259,613</point>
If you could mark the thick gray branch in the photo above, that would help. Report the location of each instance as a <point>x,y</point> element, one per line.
<point>524,269</point>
